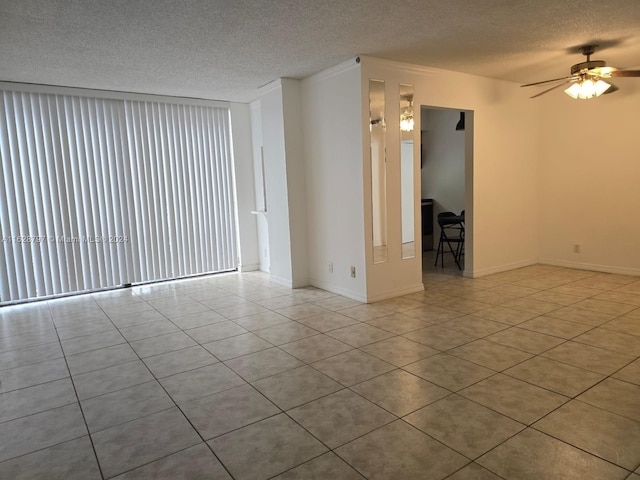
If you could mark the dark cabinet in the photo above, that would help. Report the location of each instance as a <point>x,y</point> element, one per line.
<point>427,224</point>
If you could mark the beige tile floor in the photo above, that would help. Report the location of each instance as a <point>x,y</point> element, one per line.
<point>528,374</point>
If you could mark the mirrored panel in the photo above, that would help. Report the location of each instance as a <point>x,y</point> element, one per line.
<point>377,133</point>
<point>406,171</point>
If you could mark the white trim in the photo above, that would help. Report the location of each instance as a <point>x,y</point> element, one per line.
<point>339,291</point>
<point>329,72</point>
<point>419,287</point>
<point>248,268</point>
<point>285,282</point>
<point>109,94</point>
<point>413,68</point>
<point>333,71</point>
<point>269,87</point>
<point>402,66</point>
<point>500,268</point>
<point>595,267</point>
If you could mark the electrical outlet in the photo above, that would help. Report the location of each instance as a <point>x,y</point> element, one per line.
<point>353,271</point>
<point>330,267</point>
<point>576,248</point>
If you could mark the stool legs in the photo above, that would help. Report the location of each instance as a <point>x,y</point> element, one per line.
<point>457,253</point>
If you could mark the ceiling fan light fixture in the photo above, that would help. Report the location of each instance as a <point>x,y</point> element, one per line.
<point>585,89</point>
<point>586,78</point>
<point>601,86</point>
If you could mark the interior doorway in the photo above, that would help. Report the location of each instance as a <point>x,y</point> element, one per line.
<point>446,160</point>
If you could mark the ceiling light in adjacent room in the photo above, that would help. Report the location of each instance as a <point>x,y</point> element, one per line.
<point>406,121</point>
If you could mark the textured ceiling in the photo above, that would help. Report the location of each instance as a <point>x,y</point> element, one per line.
<point>227,49</point>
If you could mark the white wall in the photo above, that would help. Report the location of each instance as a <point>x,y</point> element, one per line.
<point>443,170</point>
<point>284,179</point>
<point>260,206</point>
<point>541,175</point>
<point>294,151</point>
<point>395,276</point>
<point>502,194</point>
<point>332,118</point>
<point>502,199</point>
<point>275,173</point>
<point>245,197</point>
<point>589,173</point>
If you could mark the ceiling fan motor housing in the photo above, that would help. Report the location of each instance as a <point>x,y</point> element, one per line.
<point>578,67</point>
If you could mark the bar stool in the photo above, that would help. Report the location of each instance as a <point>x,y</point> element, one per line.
<point>451,234</point>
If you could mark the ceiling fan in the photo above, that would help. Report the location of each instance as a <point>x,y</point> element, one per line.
<point>586,78</point>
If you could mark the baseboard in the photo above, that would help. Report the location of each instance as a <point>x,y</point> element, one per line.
<point>285,282</point>
<point>248,268</point>
<point>500,268</point>
<point>339,290</point>
<point>418,287</point>
<point>595,267</point>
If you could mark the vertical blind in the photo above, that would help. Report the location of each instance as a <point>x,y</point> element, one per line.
<point>100,192</point>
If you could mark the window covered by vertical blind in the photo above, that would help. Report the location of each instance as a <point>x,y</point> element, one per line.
<point>100,192</point>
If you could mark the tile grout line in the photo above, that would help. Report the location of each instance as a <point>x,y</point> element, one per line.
<point>84,418</point>
<point>395,368</point>
<point>184,416</point>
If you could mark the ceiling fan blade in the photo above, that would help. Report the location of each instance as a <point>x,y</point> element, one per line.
<point>553,88</point>
<point>548,81</point>
<point>602,72</point>
<point>626,73</point>
<point>611,89</point>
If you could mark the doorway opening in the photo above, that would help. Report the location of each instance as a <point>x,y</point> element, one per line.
<point>446,160</point>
